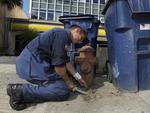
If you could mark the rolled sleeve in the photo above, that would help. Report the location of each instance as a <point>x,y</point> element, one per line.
<point>58,62</point>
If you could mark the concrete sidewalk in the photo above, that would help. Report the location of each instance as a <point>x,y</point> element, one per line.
<point>102,98</point>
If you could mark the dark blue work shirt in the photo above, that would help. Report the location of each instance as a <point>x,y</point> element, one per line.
<point>43,53</point>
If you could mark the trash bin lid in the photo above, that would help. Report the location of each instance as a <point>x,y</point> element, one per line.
<point>83,21</point>
<point>76,17</point>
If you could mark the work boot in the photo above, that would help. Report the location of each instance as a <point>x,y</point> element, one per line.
<point>16,96</point>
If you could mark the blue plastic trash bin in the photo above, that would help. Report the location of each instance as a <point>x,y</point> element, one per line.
<point>127,24</point>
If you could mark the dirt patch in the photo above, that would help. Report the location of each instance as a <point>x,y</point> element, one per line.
<point>117,93</point>
<point>92,96</point>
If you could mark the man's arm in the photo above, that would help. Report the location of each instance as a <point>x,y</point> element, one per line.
<point>75,74</point>
<point>70,68</point>
<point>61,71</point>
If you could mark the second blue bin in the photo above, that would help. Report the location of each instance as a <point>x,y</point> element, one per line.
<point>127,24</point>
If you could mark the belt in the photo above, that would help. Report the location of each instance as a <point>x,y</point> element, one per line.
<point>42,82</point>
<point>39,82</point>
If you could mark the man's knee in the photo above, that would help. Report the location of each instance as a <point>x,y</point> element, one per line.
<point>65,96</point>
<point>58,91</point>
<point>61,94</point>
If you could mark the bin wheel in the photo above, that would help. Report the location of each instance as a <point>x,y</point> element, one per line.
<point>109,71</point>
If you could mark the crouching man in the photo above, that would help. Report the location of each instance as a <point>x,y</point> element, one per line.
<point>44,63</point>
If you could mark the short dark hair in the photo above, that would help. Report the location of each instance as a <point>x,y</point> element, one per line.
<point>82,30</point>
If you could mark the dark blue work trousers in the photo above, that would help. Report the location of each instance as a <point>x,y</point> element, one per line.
<point>48,87</point>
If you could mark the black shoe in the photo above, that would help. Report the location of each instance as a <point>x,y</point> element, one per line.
<point>16,96</point>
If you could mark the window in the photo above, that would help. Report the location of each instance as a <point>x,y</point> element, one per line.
<point>35,0</point>
<point>81,10</point>
<point>102,6</point>
<point>74,3</point>
<point>35,5</point>
<point>81,4</point>
<point>42,10</point>
<point>43,5</point>
<point>65,13</point>
<point>66,8</point>
<point>34,14</point>
<point>50,16</point>
<point>80,14</point>
<point>66,1</point>
<point>42,15</point>
<point>88,8</point>
<point>50,6</point>
<point>87,11</point>
<point>43,0</point>
<point>59,1</point>
<point>95,1</point>
<point>58,7</point>
<point>95,6</point>
<point>50,1</point>
<point>81,0</point>
<point>95,11</point>
<point>73,9</point>
<point>88,5</point>
<point>73,14</point>
<point>102,1</point>
<point>57,15</point>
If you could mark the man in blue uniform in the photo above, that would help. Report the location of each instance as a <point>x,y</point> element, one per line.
<point>44,63</point>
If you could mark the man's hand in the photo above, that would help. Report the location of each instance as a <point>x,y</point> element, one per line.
<point>70,85</point>
<point>82,83</point>
<point>79,78</point>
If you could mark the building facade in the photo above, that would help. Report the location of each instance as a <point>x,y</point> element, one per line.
<point>52,9</point>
